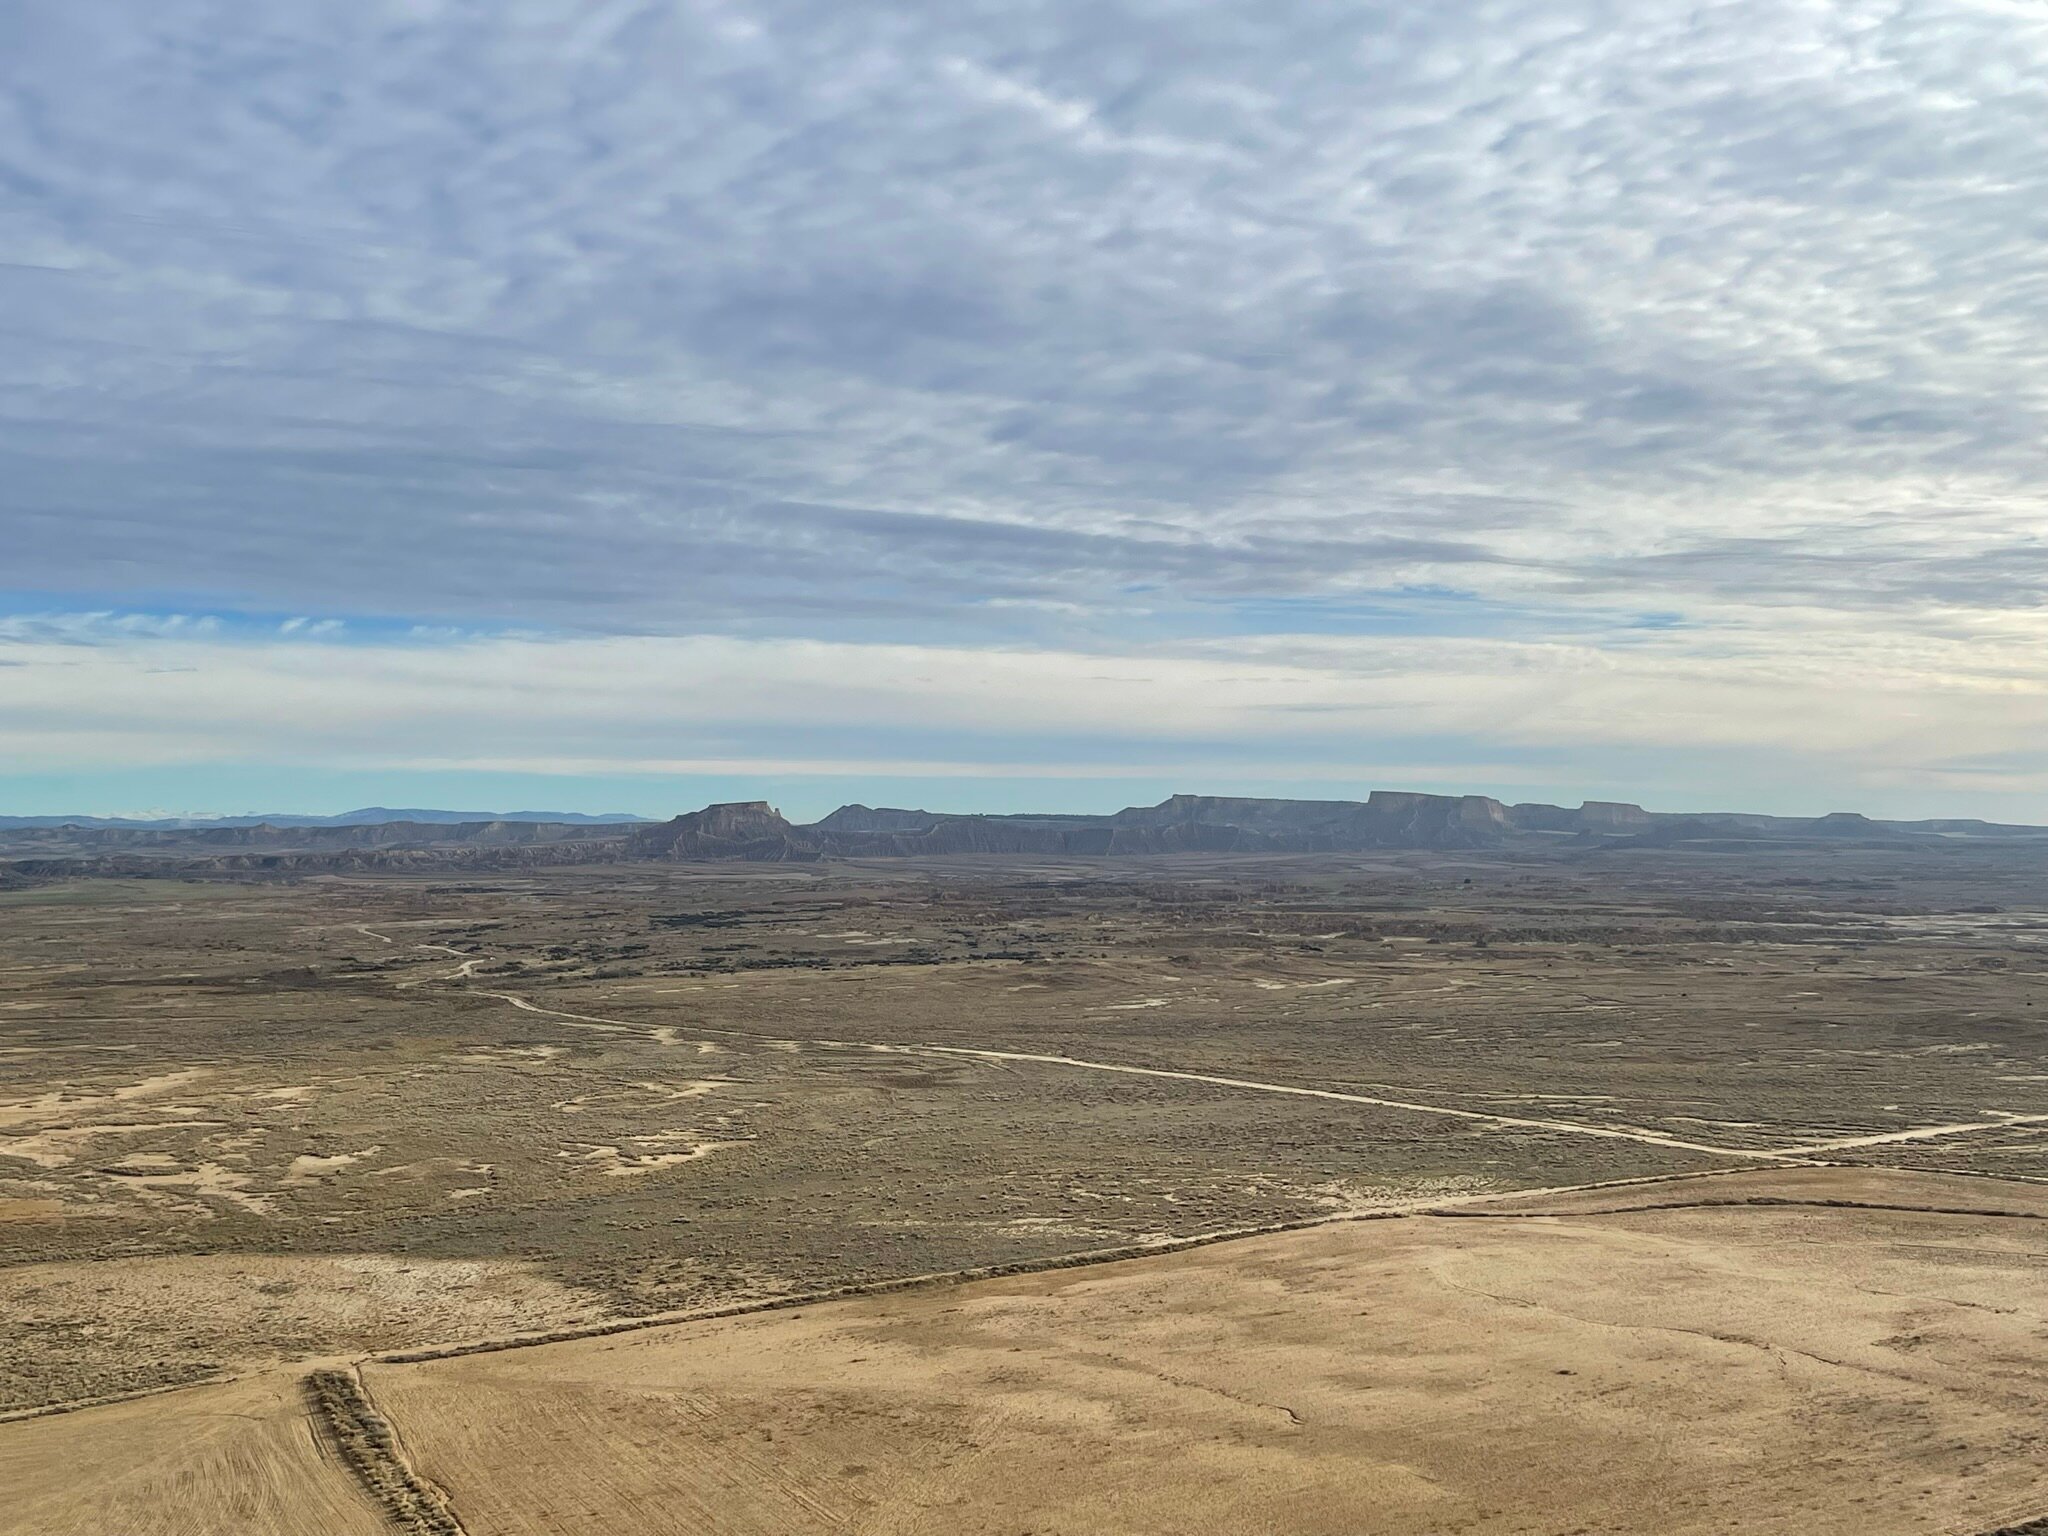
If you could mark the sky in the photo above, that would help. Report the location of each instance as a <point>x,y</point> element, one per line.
<point>615,405</point>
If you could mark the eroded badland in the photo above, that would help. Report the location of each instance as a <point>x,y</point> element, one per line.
<point>1625,1190</point>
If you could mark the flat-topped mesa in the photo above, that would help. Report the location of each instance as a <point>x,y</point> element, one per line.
<point>1401,819</point>
<point>1612,816</point>
<point>740,829</point>
<point>1609,816</point>
<point>1846,824</point>
<point>1243,812</point>
<point>1407,802</point>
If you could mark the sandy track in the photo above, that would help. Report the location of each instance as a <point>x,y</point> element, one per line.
<point>1922,1133</point>
<point>1571,1127</point>
<point>1793,1152</point>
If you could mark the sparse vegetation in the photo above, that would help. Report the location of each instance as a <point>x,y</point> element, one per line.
<point>415,1117</point>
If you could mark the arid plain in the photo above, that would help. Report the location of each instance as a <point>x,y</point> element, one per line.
<point>284,1164</point>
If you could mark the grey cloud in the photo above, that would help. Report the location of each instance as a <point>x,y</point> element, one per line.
<point>1869,573</point>
<point>662,315</point>
<point>613,532</point>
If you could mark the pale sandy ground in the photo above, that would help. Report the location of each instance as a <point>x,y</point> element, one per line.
<point>208,1461</point>
<point>1700,1370</point>
<point>1690,1368</point>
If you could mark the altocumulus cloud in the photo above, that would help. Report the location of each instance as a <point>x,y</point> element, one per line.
<point>827,348</point>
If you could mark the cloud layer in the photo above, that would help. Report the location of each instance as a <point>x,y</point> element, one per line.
<point>1876,720</point>
<point>1166,334</point>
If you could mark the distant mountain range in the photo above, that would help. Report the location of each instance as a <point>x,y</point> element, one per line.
<point>373,815</point>
<point>754,831</point>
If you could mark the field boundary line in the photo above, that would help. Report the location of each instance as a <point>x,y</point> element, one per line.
<point>1425,1206</point>
<point>108,1399</point>
<point>1085,1259</point>
<point>1420,1206</point>
<point>1750,1201</point>
<point>367,1441</point>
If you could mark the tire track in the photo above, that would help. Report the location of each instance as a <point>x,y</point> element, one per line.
<point>1922,1133</point>
<point>1817,1203</point>
<point>1572,1127</point>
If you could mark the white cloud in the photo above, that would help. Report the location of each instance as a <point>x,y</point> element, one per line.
<point>1838,706</point>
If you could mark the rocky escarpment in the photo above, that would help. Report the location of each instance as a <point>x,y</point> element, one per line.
<point>755,831</point>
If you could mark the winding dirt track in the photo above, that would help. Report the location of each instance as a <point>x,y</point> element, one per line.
<point>1923,1133</point>
<point>1618,1133</point>
<point>1794,1152</point>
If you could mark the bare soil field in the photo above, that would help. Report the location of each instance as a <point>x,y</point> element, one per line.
<point>1713,1369</point>
<point>250,1124</point>
<point>239,1456</point>
<point>1803,1350</point>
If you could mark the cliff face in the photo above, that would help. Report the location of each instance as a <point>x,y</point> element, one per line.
<point>1395,819</point>
<point>1612,816</point>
